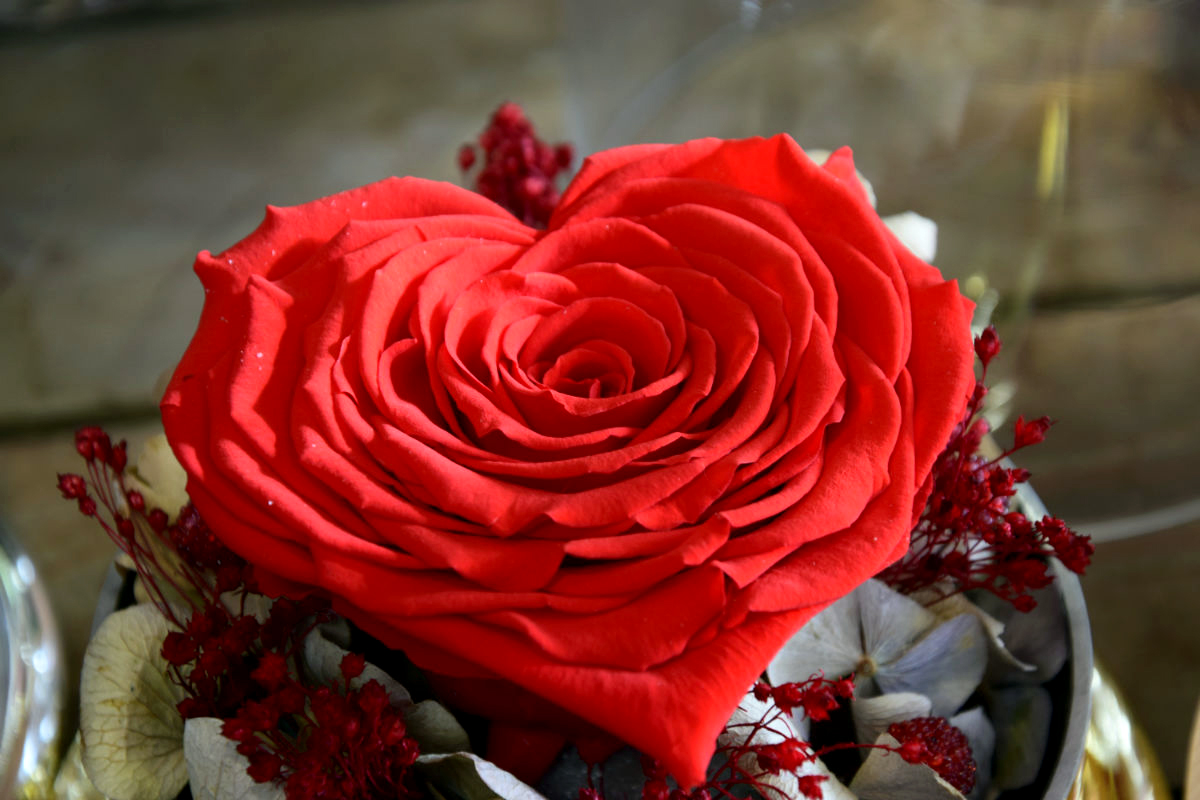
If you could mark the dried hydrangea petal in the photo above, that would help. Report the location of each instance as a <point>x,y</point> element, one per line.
<point>978,729</point>
<point>1021,715</point>
<point>887,776</point>
<point>831,643</point>
<point>999,654</point>
<point>323,659</point>
<point>891,622</point>
<point>159,477</point>
<point>946,666</point>
<point>216,770</point>
<point>132,735</point>
<point>1039,637</point>
<point>467,776</point>
<point>743,727</point>
<point>873,715</point>
<point>434,728</point>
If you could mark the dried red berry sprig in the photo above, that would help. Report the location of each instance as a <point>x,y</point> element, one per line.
<point>344,743</point>
<point>177,587</point>
<point>519,169</point>
<point>968,536</point>
<point>750,762</point>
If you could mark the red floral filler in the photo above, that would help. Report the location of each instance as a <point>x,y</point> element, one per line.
<point>933,741</point>
<point>519,169</point>
<point>968,537</point>
<point>317,741</point>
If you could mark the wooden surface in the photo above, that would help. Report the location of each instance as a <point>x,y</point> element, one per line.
<point>128,145</point>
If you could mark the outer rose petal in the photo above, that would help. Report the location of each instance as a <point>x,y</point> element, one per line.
<point>616,463</point>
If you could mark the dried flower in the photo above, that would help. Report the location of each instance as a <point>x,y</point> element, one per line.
<point>318,741</point>
<point>968,537</point>
<point>519,169</point>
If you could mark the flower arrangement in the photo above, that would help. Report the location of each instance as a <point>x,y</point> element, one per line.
<point>677,473</point>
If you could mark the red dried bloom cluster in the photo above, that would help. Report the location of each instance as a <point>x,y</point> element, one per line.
<point>348,743</point>
<point>519,168</point>
<point>968,537</point>
<point>933,741</point>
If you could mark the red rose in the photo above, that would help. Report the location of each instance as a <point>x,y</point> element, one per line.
<point>617,462</point>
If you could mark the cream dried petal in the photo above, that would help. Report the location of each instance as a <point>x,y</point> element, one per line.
<point>890,621</point>
<point>252,603</point>
<point>887,776</point>
<point>873,715</point>
<point>744,726</point>
<point>1039,637</point>
<point>72,782</point>
<point>160,478</point>
<point>917,233</point>
<point>946,666</point>
<point>981,736</point>
<point>131,733</point>
<point>323,663</point>
<point>1021,715</point>
<point>469,777</point>
<point>830,644</point>
<point>216,770</point>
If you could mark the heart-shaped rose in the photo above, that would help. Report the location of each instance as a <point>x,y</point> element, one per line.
<point>617,462</point>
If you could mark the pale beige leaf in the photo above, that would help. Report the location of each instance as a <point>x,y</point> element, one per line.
<point>158,475</point>
<point>323,660</point>
<point>216,770</point>
<point>243,602</point>
<point>131,734</point>
<point>72,782</point>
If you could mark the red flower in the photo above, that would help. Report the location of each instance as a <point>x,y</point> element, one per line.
<point>617,462</point>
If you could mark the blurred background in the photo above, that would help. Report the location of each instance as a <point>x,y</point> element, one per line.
<point>1056,143</point>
